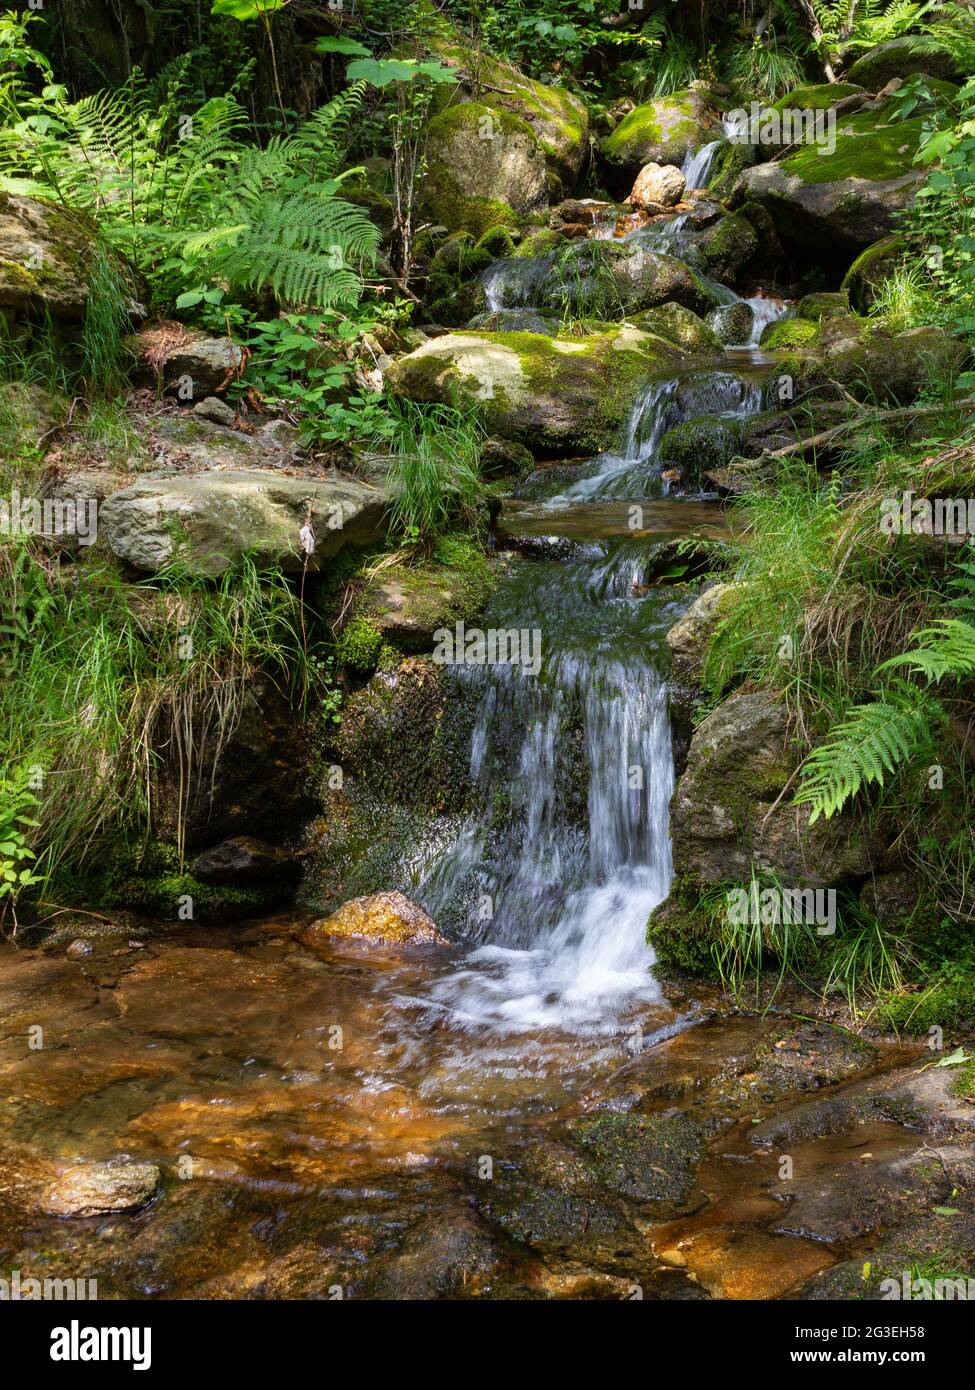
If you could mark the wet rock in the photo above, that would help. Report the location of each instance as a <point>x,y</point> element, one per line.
<point>689,639</point>
<point>607,278</point>
<point>871,363</point>
<point>213,519</point>
<point>648,1159</point>
<point>213,408</point>
<point>733,322</point>
<point>657,184</point>
<point>383,918</point>
<point>242,859</point>
<point>94,1189</point>
<point>724,249</point>
<point>77,950</point>
<point>679,325</point>
<point>445,1255</point>
<point>869,270</point>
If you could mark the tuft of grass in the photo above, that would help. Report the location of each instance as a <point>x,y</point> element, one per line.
<point>434,474</point>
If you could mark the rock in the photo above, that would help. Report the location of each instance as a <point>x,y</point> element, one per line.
<point>657,185</point>
<point>406,604</point>
<point>551,394</point>
<point>606,279</point>
<point>193,362</point>
<point>46,258</point>
<point>211,520</point>
<point>442,1255</point>
<point>95,1189</point>
<point>868,272</point>
<point>679,326</point>
<point>823,306</point>
<point>77,950</point>
<point>27,414</point>
<point>662,131</point>
<point>558,119</point>
<point>514,321</point>
<point>386,919</point>
<point>724,248</point>
<point>507,169</point>
<point>689,638</point>
<point>648,1159</point>
<point>899,58</point>
<point>867,360</point>
<point>827,203</point>
<point>733,323</point>
<point>892,898</point>
<point>725,817</point>
<point>213,408</point>
<point>242,859</point>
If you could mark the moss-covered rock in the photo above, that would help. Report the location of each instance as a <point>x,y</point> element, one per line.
<point>680,326</point>
<point>789,333</point>
<point>557,118</point>
<point>404,606</point>
<point>551,394</point>
<point>606,279</point>
<point>871,363</point>
<point>827,202</point>
<point>724,249</point>
<point>701,443</point>
<point>662,131</point>
<point>899,58</point>
<point>827,305</point>
<point>868,272</point>
<point>485,169</point>
<point>47,255</point>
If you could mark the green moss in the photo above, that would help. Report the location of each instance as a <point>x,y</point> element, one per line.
<point>539,243</point>
<point>150,881</point>
<point>681,931</point>
<point>864,150</point>
<point>789,333</point>
<point>701,443</point>
<point>359,645</point>
<point>497,243</point>
<point>946,1004</point>
<point>669,122</point>
<point>817,96</point>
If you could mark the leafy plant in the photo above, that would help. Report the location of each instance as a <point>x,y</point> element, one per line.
<point>17,802</point>
<point>434,477</point>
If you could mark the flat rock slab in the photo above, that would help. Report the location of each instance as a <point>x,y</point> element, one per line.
<point>211,520</point>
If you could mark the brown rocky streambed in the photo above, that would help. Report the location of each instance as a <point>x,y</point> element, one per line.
<point>317,1127</point>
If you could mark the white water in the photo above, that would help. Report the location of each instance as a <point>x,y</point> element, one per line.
<point>697,164</point>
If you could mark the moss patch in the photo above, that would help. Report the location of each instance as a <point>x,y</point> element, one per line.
<point>864,150</point>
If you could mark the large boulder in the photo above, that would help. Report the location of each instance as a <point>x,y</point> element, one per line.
<point>900,58</point>
<point>47,255</point>
<point>680,326</point>
<point>211,520</point>
<point>662,131</point>
<point>829,204</point>
<point>870,269</point>
<point>608,278</point>
<point>551,394</point>
<point>864,358</point>
<point>557,118</point>
<point>728,814</point>
<point>689,638</point>
<point>484,169</point>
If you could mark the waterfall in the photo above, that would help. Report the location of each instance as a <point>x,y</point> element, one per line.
<point>696,167</point>
<point>571,881</point>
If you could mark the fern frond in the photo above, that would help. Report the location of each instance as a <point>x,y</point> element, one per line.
<point>950,651</point>
<point>871,743</point>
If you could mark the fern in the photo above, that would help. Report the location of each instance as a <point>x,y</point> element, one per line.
<point>950,651</point>
<point>872,742</point>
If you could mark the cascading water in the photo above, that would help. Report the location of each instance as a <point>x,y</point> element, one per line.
<point>697,164</point>
<point>580,755</point>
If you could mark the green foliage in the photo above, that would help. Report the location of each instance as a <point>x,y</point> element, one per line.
<point>190,201</point>
<point>871,743</point>
<point>434,476</point>
<point>765,70</point>
<point>359,645</point>
<point>17,804</point>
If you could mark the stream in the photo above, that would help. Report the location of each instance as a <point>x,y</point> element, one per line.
<point>449,1122</point>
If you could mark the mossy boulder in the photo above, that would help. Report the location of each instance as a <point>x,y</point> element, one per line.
<point>724,249</point>
<point>47,256</point>
<point>662,131</point>
<point>698,444</point>
<point>899,58</point>
<point>688,640</point>
<point>485,169</point>
<point>557,118</point>
<point>727,817</point>
<point>789,333</point>
<point>557,395</point>
<point>606,279</point>
<point>826,305</point>
<point>678,325</point>
<point>867,273</point>
<point>828,203</point>
<point>868,361</point>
